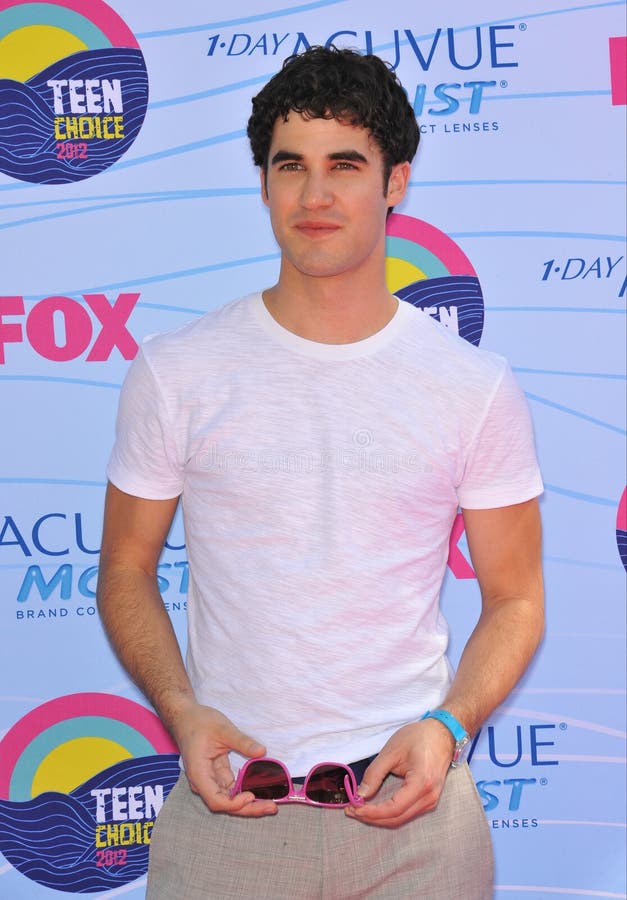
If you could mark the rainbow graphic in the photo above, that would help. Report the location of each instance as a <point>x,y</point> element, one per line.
<point>621,528</point>
<point>426,268</point>
<point>81,780</point>
<point>73,89</point>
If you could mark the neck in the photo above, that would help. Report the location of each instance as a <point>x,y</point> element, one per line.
<point>330,310</point>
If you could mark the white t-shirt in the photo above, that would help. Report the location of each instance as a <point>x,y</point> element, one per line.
<point>319,485</point>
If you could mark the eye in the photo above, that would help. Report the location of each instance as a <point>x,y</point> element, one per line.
<point>290,167</point>
<point>343,164</point>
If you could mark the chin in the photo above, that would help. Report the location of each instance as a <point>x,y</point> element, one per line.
<point>323,268</point>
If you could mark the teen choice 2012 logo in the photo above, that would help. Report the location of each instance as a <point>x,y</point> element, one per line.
<point>82,778</point>
<point>621,528</point>
<point>73,89</point>
<point>426,268</point>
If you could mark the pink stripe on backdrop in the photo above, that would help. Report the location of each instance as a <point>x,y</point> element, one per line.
<point>618,70</point>
<point>621,516</point>
<point>431,238</point>
<point>96,12</point>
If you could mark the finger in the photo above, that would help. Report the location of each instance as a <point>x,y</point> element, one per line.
<point>374,776</point>
<point>254,808</point>
<point>244,804</point>
<point>386,809</point>
<point>217,796</point>
<point>243,743</point>
<point>408,802</point>
<point>385,816</point>
<point>222,771</point>
<point>219,800</point>
<point>412,813</point>
<point>205,781</point>
<point>258,808</point>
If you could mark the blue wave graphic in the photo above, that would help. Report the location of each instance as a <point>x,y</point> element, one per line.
<point>68,481</point>
<point>621,540</point>
<point>60,379</point>
<point>580,235</point>
<point>51,838</point>
<point>461,293</point>
<point>258,17</point>
<point>497,181</point>
<point>578,495</point>
<point>582,563</point>
<point>28,146</point>
<point>194,193</point>
<point>210,92</point>
<point>279,13</point>
<point>549,94</point>
<point>112,201</point>
<point>575,412</point>
<point>519,18</point>
<point>184,148</point>
<point>609,375</point>
<point>555,309</point>
<point>166,276</point>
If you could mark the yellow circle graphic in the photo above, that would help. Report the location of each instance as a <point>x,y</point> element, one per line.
<point>399,273</point>
<point>74,762</point>
<point>28,50</point>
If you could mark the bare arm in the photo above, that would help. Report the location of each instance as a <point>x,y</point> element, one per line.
<point>142,635</point>
<point>129,601</point>
<point>506,551</point>
<point>505,546</point>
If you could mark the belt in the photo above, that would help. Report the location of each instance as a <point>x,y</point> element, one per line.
<point>358,768</point>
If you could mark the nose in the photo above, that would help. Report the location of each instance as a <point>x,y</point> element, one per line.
<point>316,191</point>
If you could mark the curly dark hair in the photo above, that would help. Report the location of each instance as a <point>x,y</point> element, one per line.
<point>332,83</point>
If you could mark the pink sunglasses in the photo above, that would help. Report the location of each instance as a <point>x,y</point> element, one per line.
<point>327,784</point>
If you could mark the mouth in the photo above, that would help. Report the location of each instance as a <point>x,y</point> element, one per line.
<point>314,229</point>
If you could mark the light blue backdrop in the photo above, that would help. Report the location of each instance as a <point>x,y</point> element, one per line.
<point>534,198</point>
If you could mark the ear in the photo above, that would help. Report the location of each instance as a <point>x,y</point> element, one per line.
<point>397,183</point>
<point>264,186</point>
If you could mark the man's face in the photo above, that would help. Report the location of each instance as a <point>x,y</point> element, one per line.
<point>324,188</point>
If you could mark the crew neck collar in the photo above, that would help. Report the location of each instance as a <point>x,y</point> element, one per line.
<point>318,350</point>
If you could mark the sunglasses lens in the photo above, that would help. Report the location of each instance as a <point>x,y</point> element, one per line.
<point>326,785</point>
<point>266,780</point>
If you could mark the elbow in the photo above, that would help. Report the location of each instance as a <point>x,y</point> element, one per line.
<point>537,620</point>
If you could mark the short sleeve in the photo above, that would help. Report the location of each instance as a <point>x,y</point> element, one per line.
<point>144,459</point>
<point>501,465</point>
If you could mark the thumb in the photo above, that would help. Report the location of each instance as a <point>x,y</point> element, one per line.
<point>373,777</point>
<point>244,744</point>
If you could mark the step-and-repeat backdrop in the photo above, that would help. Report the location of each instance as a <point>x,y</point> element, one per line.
<point>130,205</point>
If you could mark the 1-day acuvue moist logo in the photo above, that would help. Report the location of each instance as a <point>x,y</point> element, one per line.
<point>73,89</point>
<point>82,780</point>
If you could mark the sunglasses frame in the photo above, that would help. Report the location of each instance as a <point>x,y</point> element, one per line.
<point>300,796</point>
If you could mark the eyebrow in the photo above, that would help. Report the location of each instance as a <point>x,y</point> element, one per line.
<point>348,155</point>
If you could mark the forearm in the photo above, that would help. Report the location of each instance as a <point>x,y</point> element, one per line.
<point>141,633</point>
<point>495,657</point>
<point>506,551</point>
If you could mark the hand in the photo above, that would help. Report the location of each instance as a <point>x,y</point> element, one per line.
<point>421,754</point>
<point>205,736</point>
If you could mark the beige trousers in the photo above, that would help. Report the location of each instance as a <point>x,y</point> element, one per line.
<point>303,853</point>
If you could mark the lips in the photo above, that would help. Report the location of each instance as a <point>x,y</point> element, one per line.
<point>316,229</point>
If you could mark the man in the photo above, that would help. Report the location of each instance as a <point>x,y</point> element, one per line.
<point>321,436</point>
